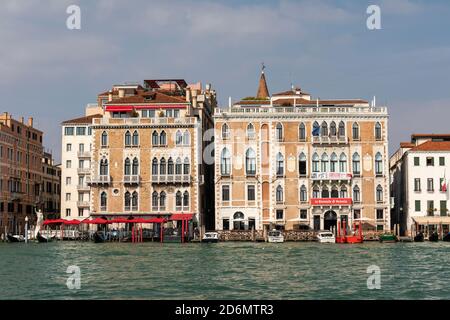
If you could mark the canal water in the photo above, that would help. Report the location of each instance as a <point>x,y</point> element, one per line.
<point>224,271</point>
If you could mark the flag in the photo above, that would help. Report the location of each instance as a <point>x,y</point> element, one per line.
<point>444,184</point>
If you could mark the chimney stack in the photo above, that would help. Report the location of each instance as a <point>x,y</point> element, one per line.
<point>30,121</point>
<point>188,95</point>
<point>110,96</point>
<point>22,120</point>
<point>121,93</point>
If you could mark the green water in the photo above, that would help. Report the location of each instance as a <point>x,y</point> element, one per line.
<point>224,271</point>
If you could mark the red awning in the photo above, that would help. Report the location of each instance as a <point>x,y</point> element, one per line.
<point>119,220</point>
<point>181,216</point>
<point>131,107</point>
<point>96,221</point>
<point>56,221</point>
<point>72,222</point>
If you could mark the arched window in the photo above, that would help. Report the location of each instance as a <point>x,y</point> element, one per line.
<point>225,132</point>
<point>356,164</point>
<point>155,138</point>
<point>127,139</point>
<point>238,216</point>
<point>103,201</point>
<point>356,194</point>
<point>170,166</point>
<point>104,168</point>
<point>343,163</point>
<point>135,169</point>
<point>127,167</point>
<point>186,200</point>
<point>334,192</point>
<point>279,132</point>
<point>333,132</point>
<point>315,163</point>
<point>325,192</point>
<point>135,138</point>
<point>378,164</point>
<point>303,194</point>
<point>280,164</point>
<point>324,129</point>
<point>127,201</point>
<point>316,129</point>
<point>316,192</point>
<point>186,138</point>
<point>324,163</point>
<point>250,162</point>
<point>333,162</point>
<point>186,166</point>
<point>302,164</point>
<point>344,192</point>
<point>178,138</point>
<point>178,167</point>
<point>162,166</point>
<point>134,201</point>
<point>104,139</point>
<point>178,200</point>
<point>163,138</point>
<point>155,200</point>
<point>238,221</point>
<point>377,131</point>
<point>302,132</point>
<point>225,162</point>
<point>162,200</point>
<point>250,131</point>
<point>155,166</point>
<point>341,131</point>
<point>355,131</point>
<point>379,193</point>
<point>279,194</point>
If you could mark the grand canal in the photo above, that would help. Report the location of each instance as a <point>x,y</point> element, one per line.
<point>224,271</point>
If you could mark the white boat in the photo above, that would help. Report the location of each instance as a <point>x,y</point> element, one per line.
<point>275,236</point>
<point>210,237</point>
<point>326,237</point>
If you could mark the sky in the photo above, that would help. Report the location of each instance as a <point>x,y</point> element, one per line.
<point>50,72</point>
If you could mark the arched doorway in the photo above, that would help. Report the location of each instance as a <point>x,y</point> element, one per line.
<point>238,221</point>
<point>330,220</point>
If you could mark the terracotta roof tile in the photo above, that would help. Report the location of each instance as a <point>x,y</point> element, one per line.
<point>433,146</point>
<point>149,97</point>
<point>83,120</point>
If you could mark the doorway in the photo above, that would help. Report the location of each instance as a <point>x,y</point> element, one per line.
<point>330,220</point>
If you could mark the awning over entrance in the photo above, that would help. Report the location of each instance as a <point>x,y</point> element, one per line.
<point>432,220</point>
<point>181,216</point>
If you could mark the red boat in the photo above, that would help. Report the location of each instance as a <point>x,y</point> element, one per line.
<point>355,237</point>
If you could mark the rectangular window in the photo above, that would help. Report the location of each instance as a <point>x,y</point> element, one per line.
<point>81,131</point>
<point>416,161</point>
<point>68,147</point>
<point>303,214</point>
<point>251,193</point>
<point>443,207</point>
<point>226,224</point>
<point>67,212</point>
<point>357,213</point>
<point>225,193</point>
<point>417,184</point>
<point>68,131</point>
<point>380,214</point>
<point>69,164</point>
<point>68,181</point>
<point>279,214</point>
<point>251,223</point>
<point>81,147</point>
<point>68,196</point>
<point>441,161</point>
<point>380,227</point>
<point>430,186</point>
<point>430,207</point>
<point>430,161</point>
<point>417,205</point>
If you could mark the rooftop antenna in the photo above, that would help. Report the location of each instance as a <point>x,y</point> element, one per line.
<point>374,101</point>
<point>229,102</point>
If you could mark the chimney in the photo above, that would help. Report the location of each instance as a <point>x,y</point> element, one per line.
<point>188,95</point>
<point>30,121</point>
<point>229,102</point>
<point>121,93</point>
<point>110,96</point>
<point>194,98</point>
<point>21,120</point>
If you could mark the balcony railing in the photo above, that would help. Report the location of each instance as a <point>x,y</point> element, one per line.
<point>355,109</point>
<point>83,187</point>
<point>84,154</point>
<point>330,176</point>
<point>144,121</point>
<point>329,140</point>
<point>102,179</point>
<point>83,204</point>
<point>84,170</point>
<point>131,179</point>
<point>185,178</point>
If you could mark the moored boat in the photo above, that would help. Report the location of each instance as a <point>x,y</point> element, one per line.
<point>42,239</point>
<point>210,237</point>
<point>446,237</point>
<point>419,237</point>
<point>275,236</point>
<point>388,238</point>
<point>325,237</point>
<point>99,237</point>
<point>15,238</point>
<point>434,237</point>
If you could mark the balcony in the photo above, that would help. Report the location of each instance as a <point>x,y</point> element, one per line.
<point>102,179</point>
<point>131,179</point>
<point>144,121</point>
<point>329,140</point>
<point>83,187</point>
<point>84,154</point>
<point>332,176</point>
<point>16,196</point>
<point>84,170</point>
<point>172,179</point>
<point>83,204</point>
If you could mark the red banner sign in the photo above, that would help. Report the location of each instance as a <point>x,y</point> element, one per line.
<point>331,201</point>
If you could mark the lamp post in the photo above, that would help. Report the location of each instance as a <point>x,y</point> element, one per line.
<point>26,229</point>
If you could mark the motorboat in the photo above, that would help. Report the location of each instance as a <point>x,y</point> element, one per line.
<point>210,237</point>
<point>15,238</point>
<point>325,237</point>
<point>275,236</point>
<point>388,238</point>
<point>419,237</point>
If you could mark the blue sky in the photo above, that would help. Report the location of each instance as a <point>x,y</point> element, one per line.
<point>51,73</point>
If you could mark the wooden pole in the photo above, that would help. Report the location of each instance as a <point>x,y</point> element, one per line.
<point>162,232</point>
<point>182,231</point>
